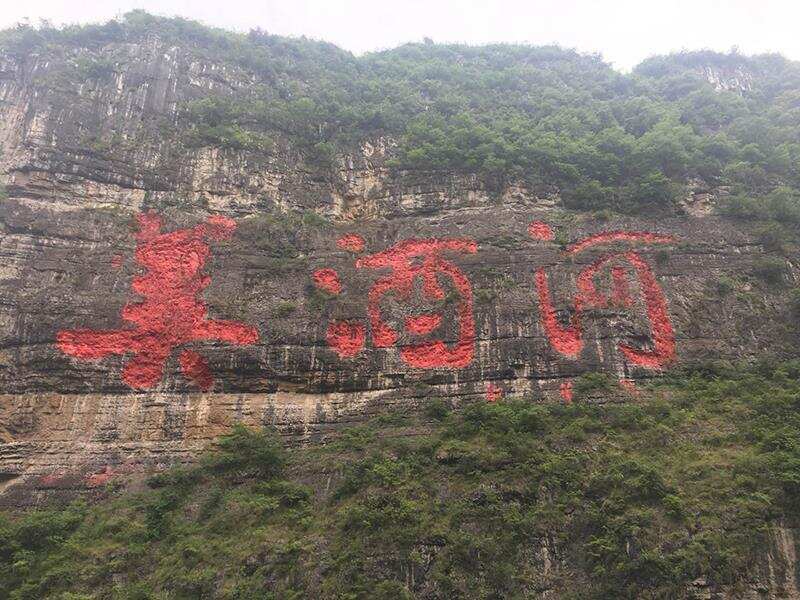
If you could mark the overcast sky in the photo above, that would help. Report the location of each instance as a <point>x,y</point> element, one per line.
<point>623,31</point>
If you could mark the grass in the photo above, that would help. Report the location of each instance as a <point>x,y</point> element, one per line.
<point>631,500</point>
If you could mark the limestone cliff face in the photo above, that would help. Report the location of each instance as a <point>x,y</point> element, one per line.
<point>736,79</point>
<point>155,293</point>
<point>80,162</point>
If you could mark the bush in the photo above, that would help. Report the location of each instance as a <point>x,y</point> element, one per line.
<point>504,113</point>
<point>248,453</point>
<point>284,309</point>
<point>770,269</point>
<point>590,196</point>
<point>437,409</point>
<point>794,302</point>
<point>313,220</point>
<point>744,208</point>
<point>651,191</point>
<point>772,236</point>
<point>590,384</point>
<point>781,207</point>
<point>725,285</point>
<point>632,492</point>
<point>98,69</point>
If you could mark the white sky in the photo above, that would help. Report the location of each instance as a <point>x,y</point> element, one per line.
<point>623,31</point>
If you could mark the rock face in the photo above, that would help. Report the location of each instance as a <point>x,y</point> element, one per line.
<point>736,79</point>
<point>154,294</point>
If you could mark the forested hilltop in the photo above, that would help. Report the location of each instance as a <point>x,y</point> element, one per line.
<point>503,112</point>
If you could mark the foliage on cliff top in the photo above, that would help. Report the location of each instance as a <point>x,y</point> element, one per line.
<point>539,114</point>
<point>632,500</point>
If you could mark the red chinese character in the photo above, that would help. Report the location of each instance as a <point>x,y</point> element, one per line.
<point>409,261</point>
<point>422,260</point>
<point>568,340</point>
<point>172,312</point>
<point>346,339</point>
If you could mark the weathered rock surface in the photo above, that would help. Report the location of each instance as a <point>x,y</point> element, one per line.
<point>80,165</point>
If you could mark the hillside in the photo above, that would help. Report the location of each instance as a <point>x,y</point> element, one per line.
<point>509,114</point>
<point>485,322</point>
<point>685,493</point>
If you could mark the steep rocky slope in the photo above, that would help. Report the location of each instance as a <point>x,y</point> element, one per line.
<point>163,278</point>
<point>106,201</point>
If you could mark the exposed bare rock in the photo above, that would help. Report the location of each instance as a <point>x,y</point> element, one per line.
<point>309,298</point>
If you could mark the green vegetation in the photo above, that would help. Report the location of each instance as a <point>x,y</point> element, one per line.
<point>770,269</point>
<point>724,286</point>
<point>316,299</point>
<point>636,500</point>
<point>284,309</point>
<point>505,112</point>
<point>776,212</point>
<point>794,302</point>
<point>96,69</point>
<point>594,384</point>
<point>485,296</point>
<point>216,122</point>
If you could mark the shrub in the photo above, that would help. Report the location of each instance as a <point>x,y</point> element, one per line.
<point>284,309</point>
<point>651,191</point>
<point>248,453</point>
<point>745,208</point>
<point>632,492</point>
<point>485,296</point>
<point>437,409</point>
<point>770,269</point>
<point>312,219</point>
<point>593,383</point>
<point>783,205</point>
<point>661,256</point>
<point>725,285</point>
<point>772,236</point>
<point>503,113</point>
<point>794,302</point>
<point>591,195</point>
<point>97,69</point>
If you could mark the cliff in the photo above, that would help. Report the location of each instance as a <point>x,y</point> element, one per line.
<point>180,255</point>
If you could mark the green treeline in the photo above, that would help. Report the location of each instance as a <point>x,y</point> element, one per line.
<point>543,115</point>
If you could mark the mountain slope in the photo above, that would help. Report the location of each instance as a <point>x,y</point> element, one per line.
<point>685,492</point>
<point>466,286</point>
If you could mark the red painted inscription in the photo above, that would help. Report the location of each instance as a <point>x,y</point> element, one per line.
<point>422,260</point>
<point>567,339</point>
<point>171,313</point>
